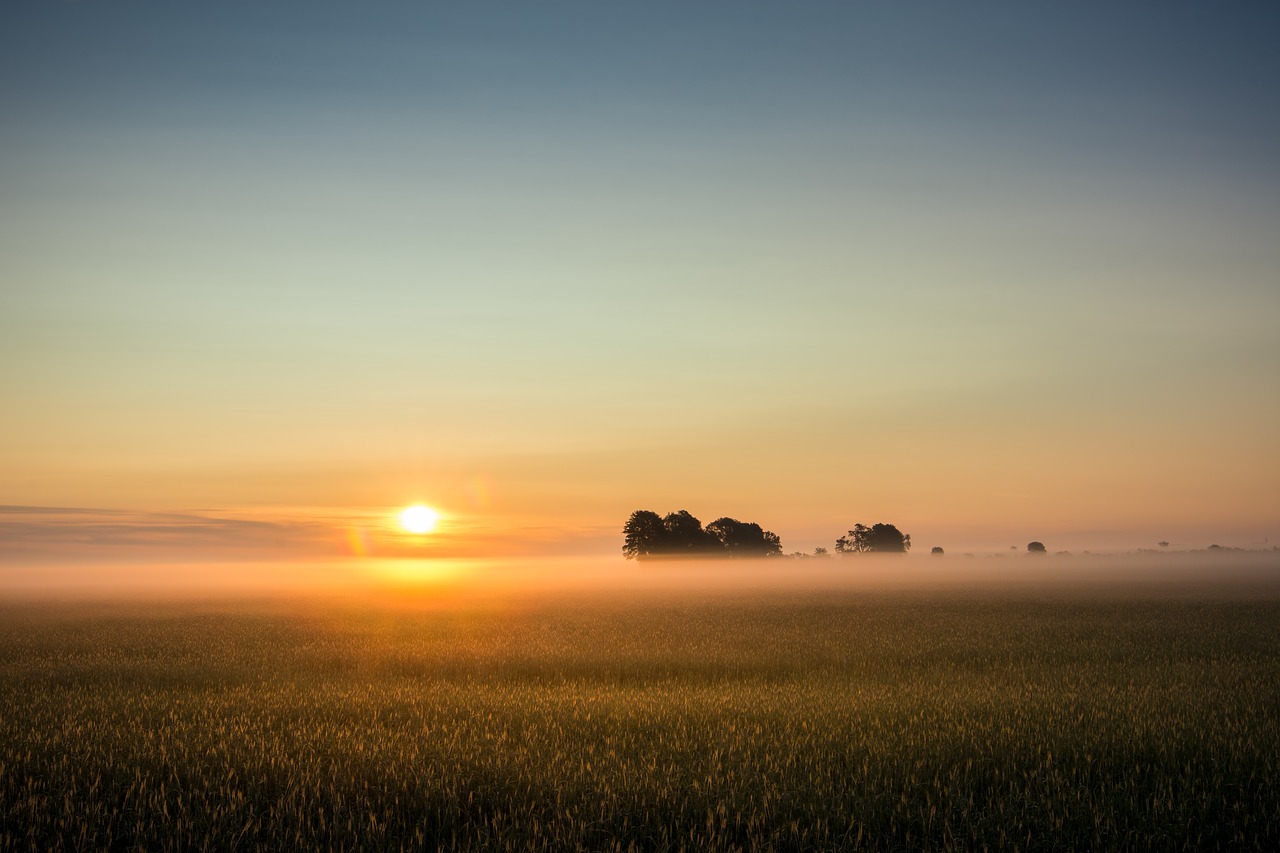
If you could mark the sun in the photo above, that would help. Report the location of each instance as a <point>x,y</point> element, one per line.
<point>419,519</point>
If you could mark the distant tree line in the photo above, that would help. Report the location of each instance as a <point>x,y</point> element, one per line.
<point>678,534</point>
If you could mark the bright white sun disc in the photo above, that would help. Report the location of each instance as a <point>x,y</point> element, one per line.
<point>419,519</point>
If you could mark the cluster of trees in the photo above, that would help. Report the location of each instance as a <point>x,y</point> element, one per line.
<point>679,534</point>
<point>878,538</point>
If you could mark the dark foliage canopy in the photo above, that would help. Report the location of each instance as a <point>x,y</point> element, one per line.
<point>878,538</point>
<point>744,538</point>
<point>679,534</point>
<point>643,535</point>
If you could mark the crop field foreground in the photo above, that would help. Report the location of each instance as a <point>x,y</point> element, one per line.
<point>879,721</point>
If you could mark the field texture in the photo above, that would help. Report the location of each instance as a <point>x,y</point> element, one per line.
<point>910,721</point>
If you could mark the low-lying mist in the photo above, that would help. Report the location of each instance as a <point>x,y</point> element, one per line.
<point>442,581</point>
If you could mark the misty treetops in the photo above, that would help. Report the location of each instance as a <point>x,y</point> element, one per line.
<point>679,534</point>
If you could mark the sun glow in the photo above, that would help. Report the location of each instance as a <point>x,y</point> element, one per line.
<point>419,519</point>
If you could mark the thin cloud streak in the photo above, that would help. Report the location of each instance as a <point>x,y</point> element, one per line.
<point>27,529</point>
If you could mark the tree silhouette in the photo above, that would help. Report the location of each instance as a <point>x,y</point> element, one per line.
<point>679,534</point>
<point>878,538</point>
<point>644,535</point>
<point>1036,548</point>
<point>744,538</point>
<point>856,542</point>
<point>686,536</point>
<point>937,551</point>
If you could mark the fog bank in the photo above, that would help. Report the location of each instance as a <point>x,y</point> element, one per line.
<point>1233,573</point>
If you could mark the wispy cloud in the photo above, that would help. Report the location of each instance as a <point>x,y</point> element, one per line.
<point>28,530</point>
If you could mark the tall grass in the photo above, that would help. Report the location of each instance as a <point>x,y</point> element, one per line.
<point>876,722</point>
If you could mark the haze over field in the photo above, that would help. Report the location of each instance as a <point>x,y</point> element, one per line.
<point>590,581</point>
<point>270,273</point>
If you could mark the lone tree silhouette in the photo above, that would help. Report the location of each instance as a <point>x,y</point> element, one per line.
<point>878,538</point>
<point>1036,548</point>
<point>937,551</point>
<point>679,534</point>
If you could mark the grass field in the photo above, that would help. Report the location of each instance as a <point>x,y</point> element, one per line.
<point>881,721</point>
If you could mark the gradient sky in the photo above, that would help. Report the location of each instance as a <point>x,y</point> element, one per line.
<point>992,272</point>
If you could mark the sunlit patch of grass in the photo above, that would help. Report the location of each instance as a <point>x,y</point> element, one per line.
<point>879,723</point>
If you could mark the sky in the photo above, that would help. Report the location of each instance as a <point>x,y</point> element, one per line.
<point>992,272</point>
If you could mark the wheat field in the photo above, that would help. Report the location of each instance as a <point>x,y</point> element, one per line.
<point>882,721</point>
